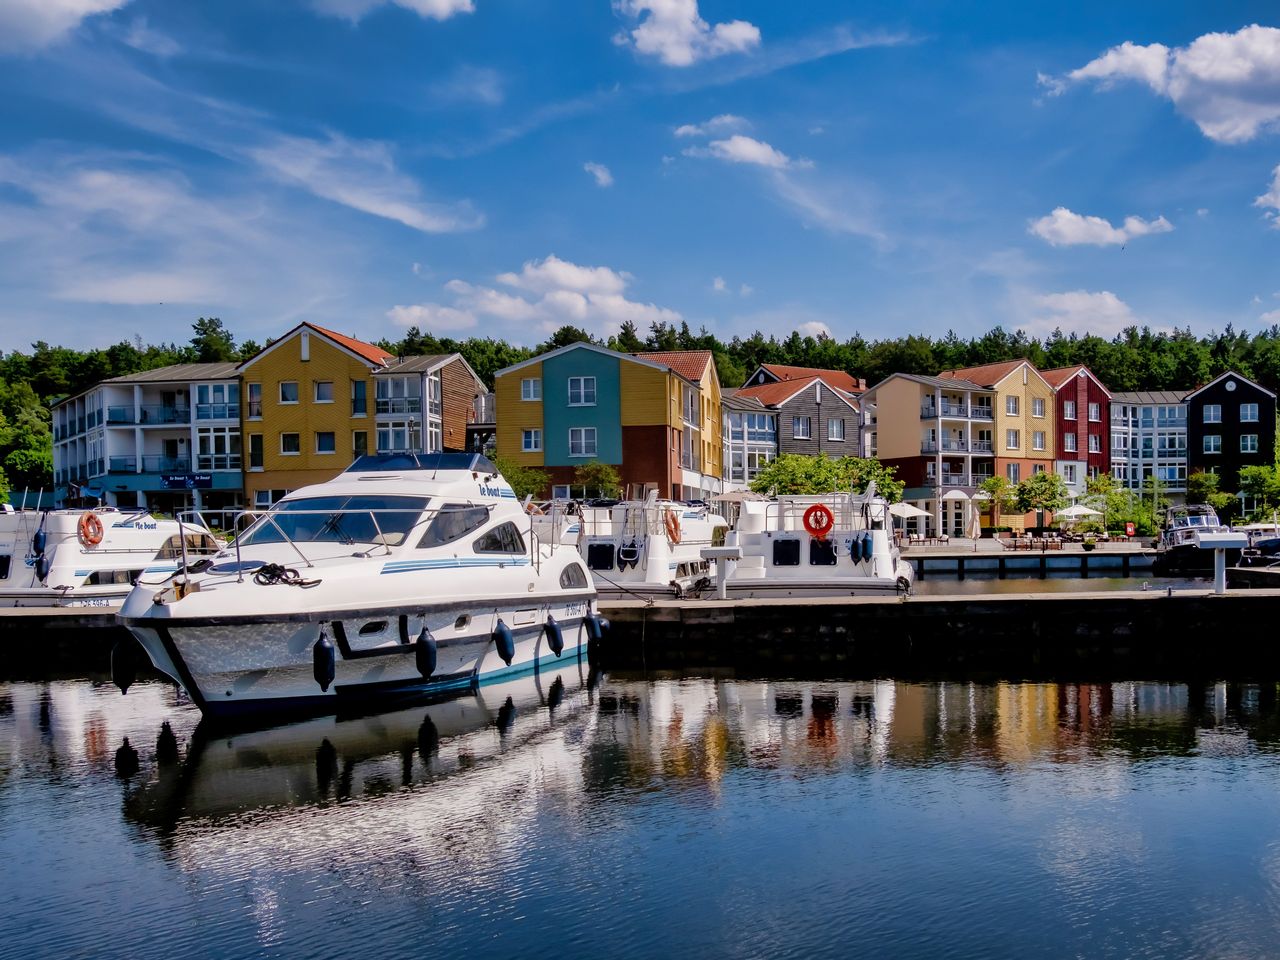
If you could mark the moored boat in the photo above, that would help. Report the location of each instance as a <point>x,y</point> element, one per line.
<point>406,575</point>
<point>78,558</point>
<point>1178,550</point>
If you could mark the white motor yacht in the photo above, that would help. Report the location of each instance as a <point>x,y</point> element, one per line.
<point>828,545</point>
<point>89,558</point>
<point>1178,551</point>
<point>407,574</point>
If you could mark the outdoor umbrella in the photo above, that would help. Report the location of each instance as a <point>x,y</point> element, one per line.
<point>907,510</point>
<point>1076,512</point>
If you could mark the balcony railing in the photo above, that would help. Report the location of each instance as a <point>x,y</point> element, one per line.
<point>953,480</point>
<point>945,409</point>
<point>218,461</point>
<point>982,446</point>
<point>148,415</point>
<point>484,409</point>
<point>946,446</point>
<point>399,405</point>
<point>151,464</point>
<point>690,461</point>
<point>220,411</point>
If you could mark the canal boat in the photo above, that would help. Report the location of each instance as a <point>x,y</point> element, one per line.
<point>835,544</point>
<point>1178,551</point>
<point>405,575</point>
<point>646,548</point>
<point>89,558</point>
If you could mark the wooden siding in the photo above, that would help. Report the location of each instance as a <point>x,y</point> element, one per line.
<point>898,432</point>
<point>458,391</point>
<point>645,395</point>
<point>516,415</point>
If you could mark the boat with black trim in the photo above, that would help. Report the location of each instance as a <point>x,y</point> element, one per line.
<point>1178,550</point>
<point>405,575</point>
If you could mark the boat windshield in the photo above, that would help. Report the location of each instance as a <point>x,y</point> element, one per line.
<point>339,519</point>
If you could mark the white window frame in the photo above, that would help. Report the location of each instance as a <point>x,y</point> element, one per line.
<point>290,453</point>
<point>326,453</point>
<point>1212,443</point>
<point>834,434</point>
<point>1068,409</point>
<point>1069,442</point>
<point>1252,447</point>
<point>1069,473</point>
<point>1013,439</point>
<point>1248,413</point>
<point>587,450</point>
<point>531,440</point>
<point>316,385</point>
<point>1011,406</point>
<point>1213,413</point>
<point>1095,443</point>
<point>1037,407</point>
<point>582,384</point>
<point>531,389</point>
<point>797,423</point>
<point>1095,413</point>
<point>1013,472</point>
<point>1037,440</point>
<point>297,393</point>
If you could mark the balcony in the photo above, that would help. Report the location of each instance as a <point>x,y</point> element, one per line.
<point>946,446</point>
<point>217,461</point>
<point>982,446</point>
<point>690,461</point>
<point>151,464</point>
<point>484,409</point>
<point>952,480</point>
<point>981,413</point>
<point>220,411</point>
<point>148,415</point>
<point>399,405</point>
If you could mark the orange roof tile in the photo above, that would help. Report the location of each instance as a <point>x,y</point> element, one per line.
<point>690,364</point>
<point>774,393</point>
<point>372,353</point>
<point>1057,377</point>
<point>833,378</point>
<point>986,375</point>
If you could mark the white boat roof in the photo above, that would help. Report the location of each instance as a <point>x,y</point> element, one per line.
<point>464,475</point>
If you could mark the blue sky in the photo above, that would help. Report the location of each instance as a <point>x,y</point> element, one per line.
<point>501,167</point>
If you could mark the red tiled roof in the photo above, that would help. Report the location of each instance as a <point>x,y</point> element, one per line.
<point>690,364</point>
<point>833,378</point>
<point>373,354</point>
<point>986,375</point>
<point>771,394</point>
<point>1057,377</point>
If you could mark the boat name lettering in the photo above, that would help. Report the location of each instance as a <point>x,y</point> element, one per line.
<point>143,525</point>
<point>575,610</point>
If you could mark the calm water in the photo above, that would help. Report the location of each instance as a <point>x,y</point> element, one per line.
<point>651,819</point>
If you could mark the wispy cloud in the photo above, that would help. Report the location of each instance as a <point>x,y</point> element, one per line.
<point>1227,83</point>
<point>724,123</point>
<point>27,25</point>
<point>675,33</point>
<point>1270,201</point>
<point>1064,228</point>
<point>355,10</point>
<point>601,174</point>
<point>469,84</point>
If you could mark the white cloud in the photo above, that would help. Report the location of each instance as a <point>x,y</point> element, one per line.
<point>718,285</point>
<point>746,290</point>
<point>723,123</point>
<point>601,173</point>
<point>1202,212</point>
<point>1227,83</point>
<point>1081,311</point>
<point>27,25</point>
<point>432,317</point>
<point>552,292</point>
<point>140,36</point>
<point>354,10</point>
<point>743,149</point>
<point>1063,228</point>
<point>361,175</point>
<point>1270,201</point>
<point>1271,316</point>
<point>468,84</point>
<point>814,328</point>
<point>673,31</point>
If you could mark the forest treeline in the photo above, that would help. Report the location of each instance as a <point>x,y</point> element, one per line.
<point>1135,359</point>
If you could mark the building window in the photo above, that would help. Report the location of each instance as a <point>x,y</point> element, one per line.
<point>399,436</point>
<point>1011,406</point>
<point>218,448</point>
<point>835,429</point>
<point>217,401</point>
<point>1069,442</point>
<point>325,442</point>
<point>359,444</point>
<point>290,445</point>
<point>1095,412</point>
<point>359,398</point>
<point>263,499</point>
<point>1037,468</point>
<point>531,441</point>
<point>800,428</point>
<point>1212,443</point>
<point>1011,472</point>
<point>255,451</point>
<point>1012,439</point>
<point>289,391</point>
<point>531,389</point>
<point>1095,443</point>
<point>1248,413</point>
<point>254,397</point>
<point>1037,407</point>
<point>1069,409</point>
<point>1248,443</point>
<point>1069,473</point>
<point>1037,440</point>
<point>1213,413</point>
<point>398,395</point>
<point>582,391</point>
<point>582,441</point>
<point>324,391</point>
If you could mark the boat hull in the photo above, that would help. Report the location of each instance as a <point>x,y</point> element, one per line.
<point>243,666</point>
<point>1188,560</point>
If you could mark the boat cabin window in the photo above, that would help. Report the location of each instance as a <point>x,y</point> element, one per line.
<point>197,543</point>
<point>573,576</point>
<point>504,538</point>
<point>101,577</point>
<point>367,518</point>
<point>5,561</point>
<point>452,521</point>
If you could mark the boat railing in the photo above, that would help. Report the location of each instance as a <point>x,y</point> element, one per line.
<point>848,512</point>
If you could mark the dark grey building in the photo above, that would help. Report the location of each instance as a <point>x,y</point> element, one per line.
<point>813,416</point>
<point>1231,423</point>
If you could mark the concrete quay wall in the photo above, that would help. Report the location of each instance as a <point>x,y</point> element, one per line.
<point>1113,635</point>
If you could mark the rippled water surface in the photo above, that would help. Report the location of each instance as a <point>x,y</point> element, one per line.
<point>553,818</point>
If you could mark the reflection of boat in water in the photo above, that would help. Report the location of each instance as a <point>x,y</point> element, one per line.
<point>472,742</point>
<point>405,574</point>
<point>89,558</point>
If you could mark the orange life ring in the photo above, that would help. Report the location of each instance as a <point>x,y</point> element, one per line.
<point>672,522</point>
<point>533,509</point>
<point>819,520</point>
<point>90,529</point>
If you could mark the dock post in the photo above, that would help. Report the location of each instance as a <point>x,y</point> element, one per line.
<point>723,556</point>
<point>1219,571</point>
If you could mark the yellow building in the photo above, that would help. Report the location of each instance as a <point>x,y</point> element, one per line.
<point>307,410</point>
<point>1024,416</point>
